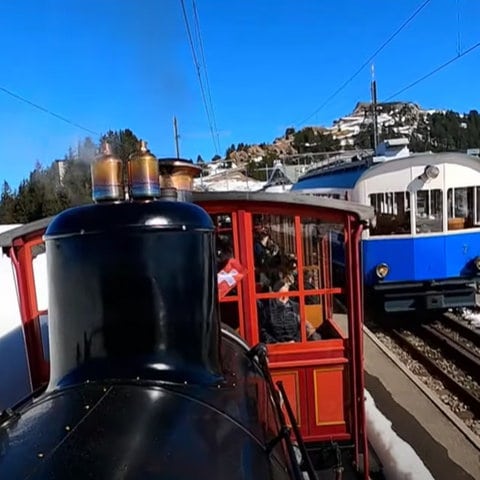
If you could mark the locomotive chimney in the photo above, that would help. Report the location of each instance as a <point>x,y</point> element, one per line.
<point>176,175</point>
<point>132,294</point>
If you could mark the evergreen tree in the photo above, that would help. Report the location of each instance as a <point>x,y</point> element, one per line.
<point>7,204</point>
<point>229,150</point>
<point>123,142</point>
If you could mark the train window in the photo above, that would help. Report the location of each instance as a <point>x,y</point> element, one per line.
<point>229,314</point>
<point>429,211</point>
<point>461,208</point>
<point>323,272</point>
<point>226,246</point>
<point>275,253</point>
<point>293,304</point>
<point>392,212</point>
<point>275,259</point>
<point>39,261</point>
<point>224,242</point>
<point>335,196</point>
<point>477,202</point>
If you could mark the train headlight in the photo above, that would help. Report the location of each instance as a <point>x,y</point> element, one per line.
<point>431,172</point>
<point>476,262</point>
<point>382,270</point>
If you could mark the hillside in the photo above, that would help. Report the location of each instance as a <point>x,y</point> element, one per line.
<point>435,130</point>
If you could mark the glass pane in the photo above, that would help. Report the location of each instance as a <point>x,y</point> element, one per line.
<point>429,214</point>
<point>275,253</point>
<point>392,212</point>
<point>40,276</point>
<point>314,317</point>
<point>477,219</point>
<point>461,208</point>
<point>450,206</point>
<point>229,314</point>
<point>279,319</point>
<point>225,248</point>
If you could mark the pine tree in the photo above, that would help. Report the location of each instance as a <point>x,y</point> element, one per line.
<point>7,204</point>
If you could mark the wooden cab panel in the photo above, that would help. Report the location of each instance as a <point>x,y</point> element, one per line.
<point>294,383</point>
<point>318,396</point>
<point>327,401</point>
<point>317,385</point>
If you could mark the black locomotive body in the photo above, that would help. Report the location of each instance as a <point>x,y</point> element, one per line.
<point>144,382</point>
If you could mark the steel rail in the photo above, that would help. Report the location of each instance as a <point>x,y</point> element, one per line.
<point>464,394</point>
<point>462,328</point>
<point>453,348</point>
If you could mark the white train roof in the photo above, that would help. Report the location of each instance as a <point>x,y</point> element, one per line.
<point>347,175</point>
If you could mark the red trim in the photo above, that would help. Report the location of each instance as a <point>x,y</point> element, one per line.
<point>240,286</point>
<point>248,302</point>
<point>327,278</point>
<point>21,255</point>
<point>352,331</point>
<point>356,268</point>
<point>301,285</point>
<point>309,363</point>
<point>353,232</point>
<point>230,298</point>
<point>300,293</point>
<point>264,208</point>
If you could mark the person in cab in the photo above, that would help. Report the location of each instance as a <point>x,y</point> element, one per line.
<point>280,319</point>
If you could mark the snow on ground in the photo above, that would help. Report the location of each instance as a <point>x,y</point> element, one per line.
<point>229,185</point>
<point>9,309</point>
<point>471,316</point>
<point>399,459</point>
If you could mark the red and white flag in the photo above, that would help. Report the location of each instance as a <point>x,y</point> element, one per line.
<point>229,276</point>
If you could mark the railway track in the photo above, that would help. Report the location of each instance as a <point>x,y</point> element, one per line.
<point>462,387</point>
<point>463,352</point>
<point>445,355</point>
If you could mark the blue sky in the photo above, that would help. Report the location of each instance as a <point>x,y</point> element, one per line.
<point>114,64</point>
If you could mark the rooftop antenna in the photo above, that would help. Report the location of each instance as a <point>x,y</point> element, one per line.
<point>374,108</point>
<point>176,135</point>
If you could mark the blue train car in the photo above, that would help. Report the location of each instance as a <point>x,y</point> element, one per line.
<point>423,250</point>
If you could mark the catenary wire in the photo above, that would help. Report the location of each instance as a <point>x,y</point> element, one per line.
<point>207,83</point>
<point>197,69</point>
<point>434,71</point>
<point>379,49</point>
<point>46,110</point>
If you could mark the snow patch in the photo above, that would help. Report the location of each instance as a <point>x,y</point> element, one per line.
<point>471,316</point>
<point>399,459</point>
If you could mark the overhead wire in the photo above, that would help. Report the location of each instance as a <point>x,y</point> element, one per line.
<point>46,110</point>
<point>197,69</point>
<point>364,64</point>
<point>434,71</point>
<point>202,54</point>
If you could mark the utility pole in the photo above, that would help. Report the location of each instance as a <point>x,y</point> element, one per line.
<point>374,108</point>
<point>176,136</point>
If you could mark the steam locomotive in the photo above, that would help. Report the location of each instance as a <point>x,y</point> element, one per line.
<point>144,381</point>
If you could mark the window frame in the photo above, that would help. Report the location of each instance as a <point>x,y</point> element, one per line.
<point>388,202</point>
